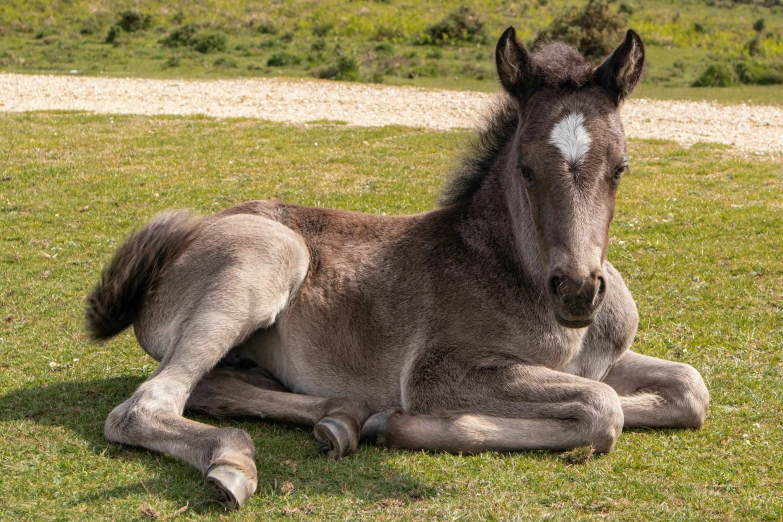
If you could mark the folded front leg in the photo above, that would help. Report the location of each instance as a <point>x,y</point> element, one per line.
<point>499,406</point>
<point>659,394</point>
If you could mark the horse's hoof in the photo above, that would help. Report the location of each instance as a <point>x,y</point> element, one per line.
<point>374,429</point>
<point>230,486</point>
<point>336,436</point>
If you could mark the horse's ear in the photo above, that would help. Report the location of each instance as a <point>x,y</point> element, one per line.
<point>513,63</point>
<point>620,73</point>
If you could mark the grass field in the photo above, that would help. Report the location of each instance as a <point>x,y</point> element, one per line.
<point>697,236</point>
<point>378,41</point>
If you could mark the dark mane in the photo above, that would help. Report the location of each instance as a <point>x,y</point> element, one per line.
<point>556,65</point>
<point>482,153</point>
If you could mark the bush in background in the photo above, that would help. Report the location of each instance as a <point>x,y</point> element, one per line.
<point>747,71</point>
<point>716,75</point>
<point>179,37</point>
<point>345,68</point>
<point>755,72</point>
<point>129,21</point>
<point>189,36</point>
<point>208,42</point>
<point>283,59</point>
<point>462,25</point>
<point>595,29</point>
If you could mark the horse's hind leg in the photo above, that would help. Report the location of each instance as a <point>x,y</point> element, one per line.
<point>227,392</point>
<point>211,300</point>
<point>152,418</point>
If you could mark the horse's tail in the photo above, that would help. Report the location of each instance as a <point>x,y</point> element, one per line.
<point>116,300</point>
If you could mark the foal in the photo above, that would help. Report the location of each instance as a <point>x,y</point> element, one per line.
<point>492,323</point>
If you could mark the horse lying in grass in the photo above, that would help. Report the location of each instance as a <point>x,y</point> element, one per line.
<point>491,323</point>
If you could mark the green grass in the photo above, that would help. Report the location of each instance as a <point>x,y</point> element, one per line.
<point>697,236</point>
<point>61,36</point>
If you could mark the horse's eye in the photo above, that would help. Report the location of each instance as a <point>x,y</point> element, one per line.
<point>619,172</point>
<point>527,173</point>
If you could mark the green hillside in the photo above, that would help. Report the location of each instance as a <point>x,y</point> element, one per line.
<point>395,42</point>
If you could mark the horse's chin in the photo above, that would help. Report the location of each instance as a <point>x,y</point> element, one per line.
<point>575,323</point>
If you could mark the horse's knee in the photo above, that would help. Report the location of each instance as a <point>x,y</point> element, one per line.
<point>602,417</point>
<point>693,398</point>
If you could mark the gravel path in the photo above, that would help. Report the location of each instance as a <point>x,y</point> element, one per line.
<point>749,128</point>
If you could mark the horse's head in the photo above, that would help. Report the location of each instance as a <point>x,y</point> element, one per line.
<point>567,159</point>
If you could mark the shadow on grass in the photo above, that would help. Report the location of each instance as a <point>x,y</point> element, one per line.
<point>284,453</point>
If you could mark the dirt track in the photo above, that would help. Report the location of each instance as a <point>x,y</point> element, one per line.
<point>749,129</point>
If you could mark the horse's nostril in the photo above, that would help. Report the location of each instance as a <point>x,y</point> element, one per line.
<point>554,285</point>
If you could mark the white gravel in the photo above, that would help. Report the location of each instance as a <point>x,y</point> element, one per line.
<point>748,128</point>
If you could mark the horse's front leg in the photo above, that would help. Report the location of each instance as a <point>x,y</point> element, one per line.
<point>658,394</point>
<point>496,405</point>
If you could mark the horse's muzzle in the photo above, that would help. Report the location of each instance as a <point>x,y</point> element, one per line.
<point>576,300</point>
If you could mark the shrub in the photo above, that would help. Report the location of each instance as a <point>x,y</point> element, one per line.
<point>755,72</point>
<point>113,33</point>
<point>318,45</point>
<point>346,68</point>
<point>179,37</point>
<point>595,29</point>
<point>283,59</point>
<point>131,21</point>
<point>208,42</point>
<point>462,25</point>
<point>716,75</point>
<point>188,36</point>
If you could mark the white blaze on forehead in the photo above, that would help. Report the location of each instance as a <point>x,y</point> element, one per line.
<point>571,138</point>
